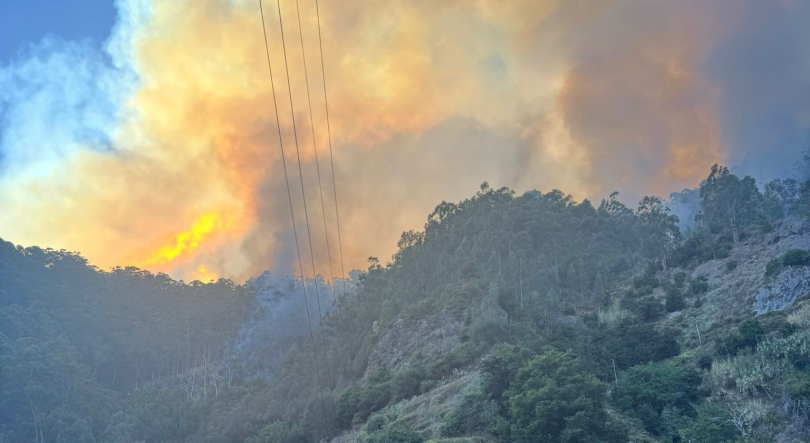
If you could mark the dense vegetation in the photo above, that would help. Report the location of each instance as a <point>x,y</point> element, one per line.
<point>74,341</point>
<point>569,332</point>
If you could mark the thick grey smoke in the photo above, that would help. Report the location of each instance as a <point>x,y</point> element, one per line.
<point>279,318</point>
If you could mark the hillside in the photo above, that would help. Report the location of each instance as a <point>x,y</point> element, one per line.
<point>530,318</point>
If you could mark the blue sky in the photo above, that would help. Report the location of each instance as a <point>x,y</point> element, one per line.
<point>26,21</point>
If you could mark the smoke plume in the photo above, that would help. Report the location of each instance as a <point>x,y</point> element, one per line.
<point>160,150</point>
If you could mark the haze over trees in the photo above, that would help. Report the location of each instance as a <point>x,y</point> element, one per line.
<point>530,318</point>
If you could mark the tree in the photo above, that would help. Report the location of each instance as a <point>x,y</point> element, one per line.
<point>782,196</point>
<point>553,399</point>
<point>657,386</point>
<point>659,229</point>
<point>728,203</point>
<point>632,343</point>
<point>499,368</point>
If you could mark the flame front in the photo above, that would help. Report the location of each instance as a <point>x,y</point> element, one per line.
<point>186,243</point>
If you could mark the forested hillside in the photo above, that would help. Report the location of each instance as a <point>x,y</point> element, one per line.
<point>530,318</point>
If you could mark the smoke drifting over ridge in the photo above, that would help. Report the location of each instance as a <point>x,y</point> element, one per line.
<point>160,150</point>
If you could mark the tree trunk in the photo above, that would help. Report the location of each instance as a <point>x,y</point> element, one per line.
<point>734,233</point>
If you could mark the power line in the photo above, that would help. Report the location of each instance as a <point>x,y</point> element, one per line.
<point>331,157</point>
<point>301,177</point>
<point>323,208</point>
<point>289,197</point>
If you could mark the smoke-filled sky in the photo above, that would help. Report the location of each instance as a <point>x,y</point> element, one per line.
<point>159,147</point>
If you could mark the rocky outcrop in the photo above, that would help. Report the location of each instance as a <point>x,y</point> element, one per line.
<point>785,289</point>
<point>790,227</point>
<point>430,338</point>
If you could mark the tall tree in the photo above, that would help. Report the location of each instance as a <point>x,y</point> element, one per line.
<point>659,229</point>
<point>728,203</point>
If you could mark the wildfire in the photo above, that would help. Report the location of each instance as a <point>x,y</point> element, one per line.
<point>187,242</point>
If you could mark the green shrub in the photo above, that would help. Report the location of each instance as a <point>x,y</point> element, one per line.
<point>460,357</point>
<point>499,368</point>
<point>381,389</point>
<point>395,436</point>
<point>796,257</point>
<point>699,286</point>
<point>679,279</point>
<point>674,302</point>
<point>376,423</point>
<point>633,343</point>
<point>657,385</point>
<point>793,257</point>
<point>745,374</point>
<point>792,350</point>
<point>773,267</point>
<point>649,417</point>
<point>797,385</point>
<point>488,330</point>
<point>408,382</point>
<point>474,414</point>
<point>710,425</point>
<point>800,318</point>
<point>749,332</point>
<point>358,402</point>
<point>646,308</point>
<point>381,375</point>
<point>704,360</point>
<point>647,282</point>
<point>428,385</point>
<point>700,248</point>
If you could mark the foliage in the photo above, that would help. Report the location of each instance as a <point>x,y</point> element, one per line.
<point>395,436</point>
<point>796,257</point>
<point>658,229</point>
<point>658,385</point>
<point>773,267</point>
<point>800,317</point>
<point>632,343</point>
<point>376,423</point>
<point>359,402</point>
<point>552,399</point>
<point>797,384</point>
<point>749,333</point>
<point>782,197</point>
<point>650,389</point>
<point>729,204</point>
<point>75,341</point>
<point>614,315</point>
<point>499,368</point>
<point>699,285</point>
<point>701,246</point>
<point>674,301</point>
<point>473,415</point>
<point>710,425</point>
<point>791,258</point>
